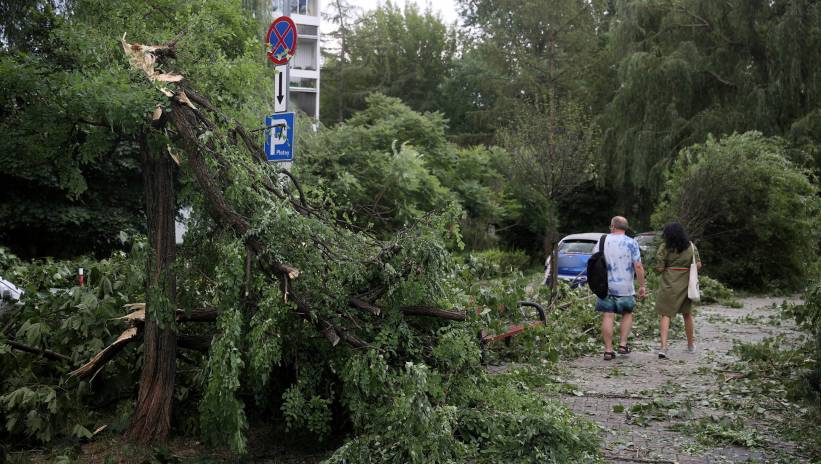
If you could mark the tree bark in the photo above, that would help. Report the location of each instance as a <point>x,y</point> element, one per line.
<point>552,233</point>
<point>433,312</point>
<point>152,415</point>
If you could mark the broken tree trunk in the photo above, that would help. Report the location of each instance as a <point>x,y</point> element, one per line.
<point>152,414</point>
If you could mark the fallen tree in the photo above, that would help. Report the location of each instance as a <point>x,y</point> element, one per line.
<point>331,279</point>
<point>303,319</point>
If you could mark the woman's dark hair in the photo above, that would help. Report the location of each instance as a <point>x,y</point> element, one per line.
<point>675,237</point>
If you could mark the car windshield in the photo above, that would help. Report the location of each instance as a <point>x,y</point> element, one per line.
<point>577,246</point>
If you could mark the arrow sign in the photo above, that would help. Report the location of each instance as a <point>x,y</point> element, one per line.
<point>281,89</point>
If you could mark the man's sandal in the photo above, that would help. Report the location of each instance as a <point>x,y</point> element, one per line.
<point>609,355</point>
<point>624,349</point>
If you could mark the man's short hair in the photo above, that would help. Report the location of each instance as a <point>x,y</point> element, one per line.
<point>619,222</point>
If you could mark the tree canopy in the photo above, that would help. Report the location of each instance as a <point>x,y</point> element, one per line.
<point>687,69</point>
<point>403,53</point>
<point>750,208</point>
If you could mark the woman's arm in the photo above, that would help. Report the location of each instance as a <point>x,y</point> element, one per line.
<point>661,256</point>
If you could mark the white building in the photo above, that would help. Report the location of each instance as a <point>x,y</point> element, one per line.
<point>305,63</point>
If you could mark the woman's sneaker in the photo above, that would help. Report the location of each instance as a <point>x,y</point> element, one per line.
<point>662,354</point>
<point>691,348</point>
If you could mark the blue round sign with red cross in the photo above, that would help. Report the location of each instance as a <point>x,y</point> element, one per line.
<point>281,40</point>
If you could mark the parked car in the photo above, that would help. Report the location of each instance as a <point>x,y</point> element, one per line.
<point>9,295</point>
<point>574,252</point>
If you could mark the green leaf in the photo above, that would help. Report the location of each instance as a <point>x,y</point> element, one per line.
<point>80,432</point>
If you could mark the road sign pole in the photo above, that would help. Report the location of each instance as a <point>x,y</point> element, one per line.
<point>288,65</point>
<point>288,80</point>
<point>282,40</point>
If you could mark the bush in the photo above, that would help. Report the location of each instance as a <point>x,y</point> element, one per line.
<point>493,263</point>
<point>469,417</point>
<point>39,400</point>
<point>750,209</point>
<point>713,291</point>
<point>808,318</point>
<point>388,165</point>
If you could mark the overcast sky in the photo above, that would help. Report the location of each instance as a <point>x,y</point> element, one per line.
<point>445,8</point>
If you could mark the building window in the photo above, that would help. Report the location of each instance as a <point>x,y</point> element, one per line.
<point>305,29</point>
<point>303,83</point>
<point>277,8</point>
<point>304,7</point>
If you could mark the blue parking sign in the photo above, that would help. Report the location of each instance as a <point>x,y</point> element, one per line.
<point>279,137</point>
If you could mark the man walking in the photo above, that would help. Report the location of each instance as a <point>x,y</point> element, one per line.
<point>623,264</point>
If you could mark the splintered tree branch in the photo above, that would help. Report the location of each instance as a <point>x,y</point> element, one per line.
<point>93,366</point>
<point>365,306</point>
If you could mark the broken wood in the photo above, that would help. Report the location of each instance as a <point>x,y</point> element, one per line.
<point>92,367</point>
<point>364,305</point>
<point>434,312</point>
<point>197,315</point>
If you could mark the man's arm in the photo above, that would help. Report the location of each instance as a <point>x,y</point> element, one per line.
<point>640,275</point>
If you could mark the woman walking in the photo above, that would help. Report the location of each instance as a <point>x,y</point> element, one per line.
<point>673,260</point>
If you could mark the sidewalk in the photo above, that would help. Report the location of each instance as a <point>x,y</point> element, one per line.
<point>636,399</point>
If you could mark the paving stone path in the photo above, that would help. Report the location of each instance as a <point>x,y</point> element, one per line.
<point>604,391</point>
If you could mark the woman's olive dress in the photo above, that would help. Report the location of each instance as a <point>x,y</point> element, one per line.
<point>671,298</point>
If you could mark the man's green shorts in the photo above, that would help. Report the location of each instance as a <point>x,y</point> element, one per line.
<point>616,304</point>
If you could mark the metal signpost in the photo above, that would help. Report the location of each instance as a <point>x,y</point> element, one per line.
<point>279,135</point>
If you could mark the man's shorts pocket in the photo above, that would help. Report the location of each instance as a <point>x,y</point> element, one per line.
<point>616,304</point>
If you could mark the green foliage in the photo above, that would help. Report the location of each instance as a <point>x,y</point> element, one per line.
<point>222,418</point>
<point>687,69</point>
<point>468,418</point>
<point>40,401</point>
<point>543,169</point>
<point>387,166</point>
<point>542,53</point>
<point>644,413</point>
<point>808,314</point>
<point>808,318</point>
<point>713,291</point>
<point>717,431</point>
<point>307,411</point>
<point>493,263</point>
<point>73,112</point>
<point>750,206</point>
<point>403,53</point>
